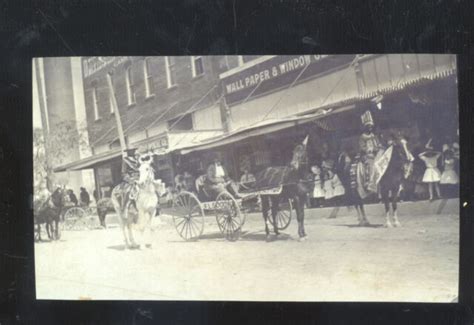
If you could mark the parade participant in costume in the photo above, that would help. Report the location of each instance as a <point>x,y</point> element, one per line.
<point>432,174</point>
<point>369,146</point>
<point>130,174</point>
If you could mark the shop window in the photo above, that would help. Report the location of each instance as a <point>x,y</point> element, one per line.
<point>149,85</point>
<point>197,66</point>
<point>182,123</point>
<point>130,86</point>
<point>170,71</point>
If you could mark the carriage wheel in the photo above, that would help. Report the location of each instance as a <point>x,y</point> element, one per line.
<point>91,218</point>
<point>228,215</point>
<point>283,217</point>
<point>75,219</point>
<point>188,216</point>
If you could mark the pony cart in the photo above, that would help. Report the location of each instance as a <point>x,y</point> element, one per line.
<point>190,207</point>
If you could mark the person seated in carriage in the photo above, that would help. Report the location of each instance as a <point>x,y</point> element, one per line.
<point>217,180</point>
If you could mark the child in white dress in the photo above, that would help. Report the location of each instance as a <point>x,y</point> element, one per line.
<point>318,192</point>
<point>432,175</point>
<point>449,178</point>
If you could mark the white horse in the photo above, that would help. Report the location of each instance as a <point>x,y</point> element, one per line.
<point>146,204</point>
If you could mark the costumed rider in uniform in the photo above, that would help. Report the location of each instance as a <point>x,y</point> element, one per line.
<point>130,173</point>
<point>369,146</point>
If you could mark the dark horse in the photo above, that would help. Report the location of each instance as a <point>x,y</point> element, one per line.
<point>49,213</point>
<point>398,169</point>
<point>296,182</point>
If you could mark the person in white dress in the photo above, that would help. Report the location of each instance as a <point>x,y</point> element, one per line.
<point>432,175</point>
<point>318,192</point>
<point>327,179</point>
<point>449,178</point>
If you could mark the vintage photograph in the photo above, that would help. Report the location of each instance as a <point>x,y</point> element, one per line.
<point>247,177</point>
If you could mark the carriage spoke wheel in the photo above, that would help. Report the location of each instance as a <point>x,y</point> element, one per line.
<point>228,215</point>
<point>75,219</point>
<point>283,217</point>
<point>188,216</point>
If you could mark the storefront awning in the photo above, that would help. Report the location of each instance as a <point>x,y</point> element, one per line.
<point>88,162</point>
<point>175,139</point>
<point>264,127</point>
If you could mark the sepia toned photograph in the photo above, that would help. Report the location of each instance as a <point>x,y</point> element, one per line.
<point>247,178</point>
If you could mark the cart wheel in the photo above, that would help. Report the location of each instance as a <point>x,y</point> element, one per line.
<point>283,217</point>
<point>75,219</point>
<point>188,216</point>
<point>228,215</point>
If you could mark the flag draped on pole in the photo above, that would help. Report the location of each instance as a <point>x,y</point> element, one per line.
<point>381,163</point>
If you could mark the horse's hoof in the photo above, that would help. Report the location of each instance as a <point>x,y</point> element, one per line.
<point>397,224</point>
<point>148,245</point>
<point>388,225</point>
<point>302,238</point>
<point>268,238</point>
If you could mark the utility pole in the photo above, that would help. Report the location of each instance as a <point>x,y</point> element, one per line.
<point>123,143</point>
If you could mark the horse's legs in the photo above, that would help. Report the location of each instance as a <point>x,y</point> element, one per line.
<point>265,209</point>
<point>385,198</point>
<point>396,222</point>
<point>148,228</point>
<point>39,231</point>
<point>299,204</point>
<point>275,206</point>
<point>56,230</point>
<point>49,229</point>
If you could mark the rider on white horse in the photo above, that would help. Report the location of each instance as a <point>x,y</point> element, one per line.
<point>130,175</point>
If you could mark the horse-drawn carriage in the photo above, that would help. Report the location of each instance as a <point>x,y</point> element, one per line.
<point>190,208</point>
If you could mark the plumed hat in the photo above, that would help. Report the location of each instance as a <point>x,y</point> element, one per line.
<point>367,118</point>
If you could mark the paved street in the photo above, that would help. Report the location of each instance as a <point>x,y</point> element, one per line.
<point>339,261</point>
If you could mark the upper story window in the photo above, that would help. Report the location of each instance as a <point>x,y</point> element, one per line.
<point>149,85</point>
<point>95,102</point>
<point>197,66</point>
<point>130,86</point>
<point>170,71</point>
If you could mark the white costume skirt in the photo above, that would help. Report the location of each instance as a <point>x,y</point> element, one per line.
<point>432,174</point>
<point>339,190</point>
<point>328,191</point>
<point>318,192</point>
<point>449,177</point>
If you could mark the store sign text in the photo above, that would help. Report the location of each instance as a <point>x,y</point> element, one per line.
<point>296,63</point>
